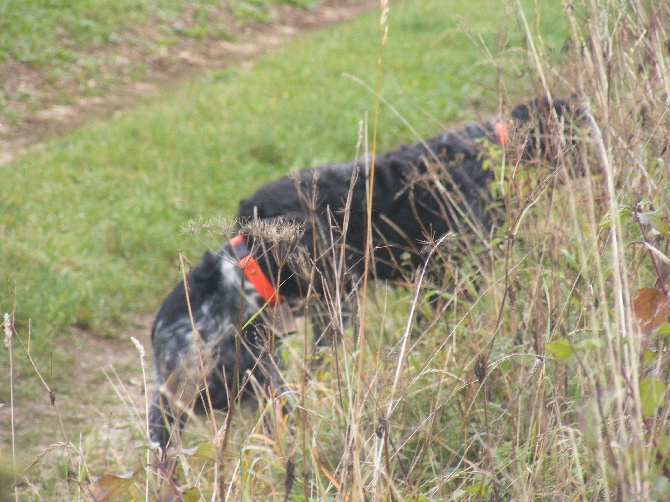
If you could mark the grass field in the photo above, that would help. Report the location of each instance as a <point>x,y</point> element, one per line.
<point>81,49</point>
<point>535,385</point>
<point>107,207</point>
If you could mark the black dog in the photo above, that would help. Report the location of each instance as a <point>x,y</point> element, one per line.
<point>420,192</point>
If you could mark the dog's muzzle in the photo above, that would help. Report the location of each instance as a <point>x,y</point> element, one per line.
<point>278,312</point>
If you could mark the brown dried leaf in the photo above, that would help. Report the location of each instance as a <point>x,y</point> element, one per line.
<point>651,308</point>
<point>108,487</point>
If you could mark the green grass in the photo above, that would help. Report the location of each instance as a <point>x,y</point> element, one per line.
<point>53,34</point>
<point>93,222</point>
<point>55,52</point>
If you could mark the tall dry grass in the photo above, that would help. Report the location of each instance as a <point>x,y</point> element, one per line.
<point>532,378</point>
<point>520,372</point>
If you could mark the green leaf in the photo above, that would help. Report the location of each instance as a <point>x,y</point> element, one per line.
<point>663,445</point>
<point>478,489</point>
<point>560,349</point>
<point>649,357</point>
<point>191,495</point>
<point>206,451</point>
<point>623,213</point>
<point>652,395</point>
<point>656,221</point>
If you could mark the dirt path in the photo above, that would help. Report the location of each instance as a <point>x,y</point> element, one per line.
<point>62,106</point>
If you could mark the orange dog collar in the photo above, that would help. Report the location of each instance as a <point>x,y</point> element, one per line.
<point>253,272</point>
<point>501,133</point>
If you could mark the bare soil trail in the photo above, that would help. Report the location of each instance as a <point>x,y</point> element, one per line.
<point>64,105</point>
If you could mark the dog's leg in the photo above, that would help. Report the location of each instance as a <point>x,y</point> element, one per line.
<point>278,388</point>
<point>328,324</point>
<point>163,426</point>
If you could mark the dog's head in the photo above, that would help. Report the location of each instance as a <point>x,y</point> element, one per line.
<point>542,128</point>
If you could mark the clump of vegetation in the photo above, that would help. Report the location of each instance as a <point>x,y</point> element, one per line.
<point>533,367</point>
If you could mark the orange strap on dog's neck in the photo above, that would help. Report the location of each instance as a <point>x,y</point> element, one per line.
<point>253,272</point>
<point>501,133</point>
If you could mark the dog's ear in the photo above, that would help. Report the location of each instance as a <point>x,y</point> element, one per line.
<point>249,210</point>
<point>521,113</point>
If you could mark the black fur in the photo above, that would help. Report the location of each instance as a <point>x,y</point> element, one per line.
<point>421,192</point>
<point>217,307</point>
